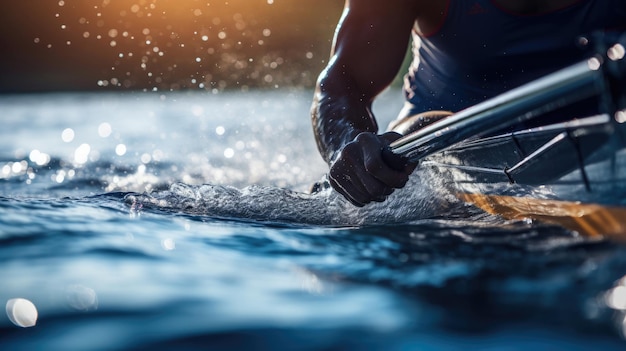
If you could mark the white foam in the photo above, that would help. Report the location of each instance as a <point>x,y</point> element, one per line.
<point>280,205</point>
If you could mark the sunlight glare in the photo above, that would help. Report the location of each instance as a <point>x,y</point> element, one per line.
<point>104,130</point>
<point>67,135</point>
<point>81,155</point>
<point>22,312</point>
<point>120,149</point>
<point>616,298</point>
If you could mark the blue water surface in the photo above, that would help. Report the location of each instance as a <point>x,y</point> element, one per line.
<point>147,221</point>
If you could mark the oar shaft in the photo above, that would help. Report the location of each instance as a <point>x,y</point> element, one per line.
<point>571,84</point>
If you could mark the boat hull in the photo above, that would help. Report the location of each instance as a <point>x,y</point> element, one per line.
<point>572,174</point>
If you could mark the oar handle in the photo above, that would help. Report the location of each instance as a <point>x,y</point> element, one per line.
<point>602,76</point>
<point>393,160</point>
<point>531,100</point>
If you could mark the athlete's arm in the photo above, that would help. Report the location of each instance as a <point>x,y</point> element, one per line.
<point>369,46</point>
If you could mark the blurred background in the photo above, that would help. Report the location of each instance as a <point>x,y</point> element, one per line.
<point>163,45</point>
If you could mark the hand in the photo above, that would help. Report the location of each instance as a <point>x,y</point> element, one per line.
<point>361,175</point>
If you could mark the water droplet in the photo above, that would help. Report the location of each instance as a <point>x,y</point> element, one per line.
<point>81,154</point>
<point>104,130</point>
<point>67,135</point>
<point>594,63</point>
<point>59,177</point>
<point>38,157</point>
<point>616,298</point>
<point>16,167</point>
<point>22,312</point>
<point>81,298</point>
<point>168,244</point>
<point>120,149</point>
<point>146,158</point>
<point>616,52</point>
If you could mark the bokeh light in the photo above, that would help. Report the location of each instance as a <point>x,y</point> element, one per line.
<point>162,45</point>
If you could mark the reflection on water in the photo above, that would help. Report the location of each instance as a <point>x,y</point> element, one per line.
<point>81,298</point>
<point>166,276</point>
<point>199,232</point>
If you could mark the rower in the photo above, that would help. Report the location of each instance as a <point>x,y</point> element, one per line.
<point>465,51</point>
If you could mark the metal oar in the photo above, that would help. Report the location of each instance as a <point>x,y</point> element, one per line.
<point>574,83</point>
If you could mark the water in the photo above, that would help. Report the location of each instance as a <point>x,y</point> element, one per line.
<point>182,221</point>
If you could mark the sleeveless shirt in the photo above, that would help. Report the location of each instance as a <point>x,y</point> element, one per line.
<point>481,50</point>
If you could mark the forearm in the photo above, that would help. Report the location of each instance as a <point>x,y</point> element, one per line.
<point>367,52</point>
<point>339,113</point>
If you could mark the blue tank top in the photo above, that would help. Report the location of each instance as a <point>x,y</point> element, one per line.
<point>481,50</point>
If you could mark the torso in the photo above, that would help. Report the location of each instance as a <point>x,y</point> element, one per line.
<point>432,12</point>
<point>470,50</point>
<point>533,7</point>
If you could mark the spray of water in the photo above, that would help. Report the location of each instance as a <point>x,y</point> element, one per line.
<point>422,198</point>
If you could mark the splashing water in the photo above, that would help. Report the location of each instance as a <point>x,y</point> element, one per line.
<point>172,45</point>
<point>270,204</point>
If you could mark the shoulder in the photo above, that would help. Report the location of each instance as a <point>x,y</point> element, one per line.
<point>430,14</point>
<point>381,8</point>
<point>427,15</point>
